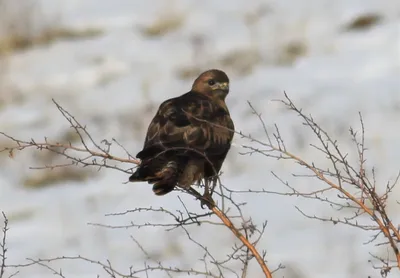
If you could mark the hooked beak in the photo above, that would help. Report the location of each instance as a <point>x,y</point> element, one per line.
<point>223,86</point>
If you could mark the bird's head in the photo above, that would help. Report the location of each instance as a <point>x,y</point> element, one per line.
<point>212,83</point>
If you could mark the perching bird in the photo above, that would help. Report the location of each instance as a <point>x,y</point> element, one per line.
<point>189,137</point>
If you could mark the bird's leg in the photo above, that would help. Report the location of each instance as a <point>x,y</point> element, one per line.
<point>207,199</point>
<point>206,187</point>
<point>214,184</point>
<point>199,183</point>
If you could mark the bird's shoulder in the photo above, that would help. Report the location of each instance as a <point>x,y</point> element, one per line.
<point>188,108</point>
<point>196,110</point>
<point>190,119</point>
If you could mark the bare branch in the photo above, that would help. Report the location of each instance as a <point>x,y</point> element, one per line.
<point>3,247</point>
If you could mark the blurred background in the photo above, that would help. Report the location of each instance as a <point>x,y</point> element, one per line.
<point>111,63</point>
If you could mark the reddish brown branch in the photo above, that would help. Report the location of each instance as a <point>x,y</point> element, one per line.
<point>342,178</point>
<point>228,223</point>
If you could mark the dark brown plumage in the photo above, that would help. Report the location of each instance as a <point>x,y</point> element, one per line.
<point>189,137</point>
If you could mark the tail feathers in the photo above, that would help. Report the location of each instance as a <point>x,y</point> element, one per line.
<point>161,188</point>
<point>143,173</point>
<point>135,177</point>
<point>163,181</point>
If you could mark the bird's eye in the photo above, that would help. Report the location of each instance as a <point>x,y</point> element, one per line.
<point>211,82</point>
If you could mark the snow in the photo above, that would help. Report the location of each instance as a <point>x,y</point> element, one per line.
<point>113,83</point>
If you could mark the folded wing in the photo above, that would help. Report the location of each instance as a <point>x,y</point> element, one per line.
<point>189,124</point>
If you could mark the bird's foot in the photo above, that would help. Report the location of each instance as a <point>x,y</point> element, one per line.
<point>207,200</point>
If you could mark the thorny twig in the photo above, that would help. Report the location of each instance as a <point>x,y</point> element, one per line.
<point>96,155</point>
<point>343,178</point>
<point>3,246</point>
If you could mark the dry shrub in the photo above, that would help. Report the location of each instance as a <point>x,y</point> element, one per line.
<point>23,25</point>
<point>167,20</point>
<point>55,176</point>
<point>239,61</point>
<point>363,22</point>
<point>163,25</point>
<point>347,185</point>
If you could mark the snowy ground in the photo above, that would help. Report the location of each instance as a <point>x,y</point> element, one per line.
<point>114,82</point>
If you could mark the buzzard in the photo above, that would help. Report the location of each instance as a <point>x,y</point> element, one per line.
<point>189,137</point>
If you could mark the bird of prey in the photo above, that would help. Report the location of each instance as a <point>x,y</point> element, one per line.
<point>189,137</point>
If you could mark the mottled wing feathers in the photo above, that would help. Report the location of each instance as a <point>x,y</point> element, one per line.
<point>191,122</point>
<point>189,137</point>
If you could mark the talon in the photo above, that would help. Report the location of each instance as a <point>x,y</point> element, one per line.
<point>207,201</point>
